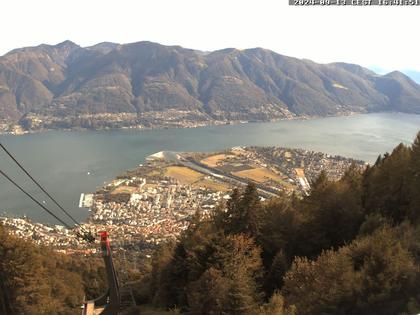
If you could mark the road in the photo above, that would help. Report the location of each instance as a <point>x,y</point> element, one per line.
<point>218,174</point>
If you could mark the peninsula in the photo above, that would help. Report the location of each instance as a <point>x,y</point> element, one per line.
<point>156,201</point>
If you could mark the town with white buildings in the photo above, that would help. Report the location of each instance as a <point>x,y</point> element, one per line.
<point>156,201</point>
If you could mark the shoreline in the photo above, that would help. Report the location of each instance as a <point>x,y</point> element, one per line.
<point>134,134</point>
<point>169,190</point>
<point>199,125</point>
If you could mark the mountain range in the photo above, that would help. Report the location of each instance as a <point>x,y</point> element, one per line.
<point>66,80</point>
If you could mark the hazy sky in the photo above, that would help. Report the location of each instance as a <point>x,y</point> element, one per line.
<point>385,37</point>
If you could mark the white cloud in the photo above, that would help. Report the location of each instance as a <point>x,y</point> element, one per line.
<point>371,36</point>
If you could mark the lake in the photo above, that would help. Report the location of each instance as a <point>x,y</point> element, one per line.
<point>69,163</point>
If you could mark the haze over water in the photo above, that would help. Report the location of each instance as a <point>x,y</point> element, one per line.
<point>69,163</point>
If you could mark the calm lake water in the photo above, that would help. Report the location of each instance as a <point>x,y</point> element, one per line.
<point>69,163</point>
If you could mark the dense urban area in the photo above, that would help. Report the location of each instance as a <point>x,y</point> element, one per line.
<point>156,201</point>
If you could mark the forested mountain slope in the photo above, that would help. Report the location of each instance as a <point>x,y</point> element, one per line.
<point>350,247</point>
<point>68,80</point>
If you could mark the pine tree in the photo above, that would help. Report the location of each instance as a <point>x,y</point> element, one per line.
<point>239,261</point>
<point>324,286</point>
<point>278,269</point>
<point>386,186</point>
<point>414,190</point>
<point>35,280</point>
<point>320,182</point>
<point>276,306</point>
<point>209,294</point>
<point>245,212</point>
<point>159,282</point>
<point>332,215</point>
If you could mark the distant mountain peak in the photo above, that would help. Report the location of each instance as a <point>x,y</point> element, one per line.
<point>402,77</point>
<point>396,75</point>
<point>66,43</point>
<point>227,50</point>
<point>104,47</point>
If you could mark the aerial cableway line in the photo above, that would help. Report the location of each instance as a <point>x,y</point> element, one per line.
<point>110,303</point>
<point>33,199</point>
<point>87,236</point>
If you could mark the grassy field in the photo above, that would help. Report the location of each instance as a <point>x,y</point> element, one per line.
<point>183,174</point>
<point>147,186</point>
<point>260,175</point>
<point>212,185</point>
<point>153,173</point>
<point>212,161</point>
<point>124,190</point>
